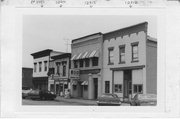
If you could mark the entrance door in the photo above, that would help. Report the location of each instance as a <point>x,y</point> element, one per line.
<point>95,88</point>
<point>127,85</point>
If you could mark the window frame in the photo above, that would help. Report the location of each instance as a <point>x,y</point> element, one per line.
<point>95,62</point>
<point>45,65</point>
<point>121,54</point>
<point>40,66</point>
<point>87,61</point>
<point>35,67</point>
<point>107,89</point>
<point>64,70</point>
<point>135,44</point>
<point>110,49</point>
<point>75,63</point>
<point>81,61</point>
<point>137,88</point>
<point>119,86</point>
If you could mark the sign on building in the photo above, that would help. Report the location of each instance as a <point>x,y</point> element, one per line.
<point>74,73</point>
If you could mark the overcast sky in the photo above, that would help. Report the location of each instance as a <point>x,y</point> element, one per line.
<point>42,32</point>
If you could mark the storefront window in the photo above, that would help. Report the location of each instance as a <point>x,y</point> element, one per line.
<point>118,88</point>
<point>138,88</point>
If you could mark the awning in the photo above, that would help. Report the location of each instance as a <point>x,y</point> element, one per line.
<point>94,53</point>
<point>73,57</point>
<point>78,56</point>
<point>84,83</point>
<point>74,83</point>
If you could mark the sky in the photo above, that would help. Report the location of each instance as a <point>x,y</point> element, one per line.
<point>42,32</point>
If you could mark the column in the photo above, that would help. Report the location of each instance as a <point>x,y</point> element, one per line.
<point>90,87</point>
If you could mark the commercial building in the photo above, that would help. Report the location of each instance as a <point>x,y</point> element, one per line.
<point>86,66</point>
<point>129,61</point>
<point>59,73</point>
<point>41,62</point>
<point>27,77</point>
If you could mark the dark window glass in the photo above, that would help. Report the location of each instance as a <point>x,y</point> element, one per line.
<point>85,87</point>
<point>64,70</point>
<point>75,64</point>
<point>45,65</point>
<point>118,88</point>
<point>40,66</point>
<point>81,63</point>
<point>58,68</point>
<point>95,61</point>
<point>110,56</point>
<point>35,67</point>
<point>122,54</point>
<point>74,87</point>
<point>135,52</point>
<point>86,62</point>
<point>107,86</point>
<point>138,89</point>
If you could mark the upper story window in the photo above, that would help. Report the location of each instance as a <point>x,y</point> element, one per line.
<point>45,65</point>
<point>40,66</point>
<point>35,67</point>
<point>135,52</point>
<point>58,68</point>
<point>81,63</point>
<point>64,70</point>
<point>95,61</point>
<point>86,62</point>
<point>75,64</point>
<point>110,55</point>
<point>122,54</point>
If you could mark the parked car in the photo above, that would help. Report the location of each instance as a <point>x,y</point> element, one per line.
<point>43,95</point>
<point>25,91</point>
<point>108,100</point>
<point>144,100</point>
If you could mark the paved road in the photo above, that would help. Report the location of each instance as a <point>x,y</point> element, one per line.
<point>48,102</point>
<point>63,101</point>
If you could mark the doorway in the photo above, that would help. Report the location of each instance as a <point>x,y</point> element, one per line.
<point>95,88</point>
<point>127,83</point>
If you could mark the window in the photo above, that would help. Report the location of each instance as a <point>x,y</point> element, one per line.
<point>64,70</point>
<point>138,88</point>
<point>81,63</point>
<point>107,86</point>
<point>95,61</point>
<point>35,67</point>
<point>75,64</point>
<point>110,56</point>
<point>45,65</point>
<point>74,87</point>
<point>85,87</point>
<point>118,88</point>
<point>134,52</point>
<point>122,54</point>
<point>58,68</point>
<point>86,62</point>
<point>40,66</point>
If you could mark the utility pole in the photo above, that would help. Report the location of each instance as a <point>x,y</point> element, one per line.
<point>67,44</point>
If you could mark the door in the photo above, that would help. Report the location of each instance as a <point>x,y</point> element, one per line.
<point>95,88</point>
<point>127,83</point>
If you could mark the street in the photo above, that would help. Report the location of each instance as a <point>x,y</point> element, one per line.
<point>63,101</point>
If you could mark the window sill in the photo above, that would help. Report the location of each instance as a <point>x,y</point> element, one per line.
<point>122,62</point>
<point>134,61</point>
<point>110,63</point>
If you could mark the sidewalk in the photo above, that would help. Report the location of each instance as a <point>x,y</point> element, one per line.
<point>82,101</point>
<point>76,100</point>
